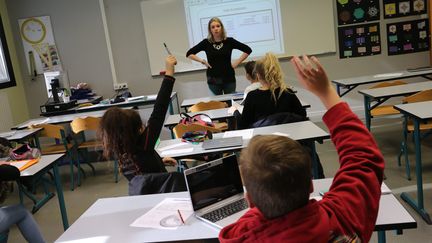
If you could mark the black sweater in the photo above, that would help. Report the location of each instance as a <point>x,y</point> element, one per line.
<point>220,59</point>
<point>147,160</point>
<point>260,104</point>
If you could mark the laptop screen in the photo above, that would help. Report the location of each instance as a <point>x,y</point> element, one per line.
<point>214,181</point>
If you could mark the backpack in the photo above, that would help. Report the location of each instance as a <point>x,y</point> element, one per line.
<point>201,119</point>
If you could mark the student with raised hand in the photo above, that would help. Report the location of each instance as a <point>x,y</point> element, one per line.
<point>272,97</point>
<point>125,137</point>
<point>276,172</point>
<point>218,48</point>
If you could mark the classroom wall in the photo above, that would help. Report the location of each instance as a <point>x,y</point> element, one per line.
<point>13,100</point>
<point>79,35</point>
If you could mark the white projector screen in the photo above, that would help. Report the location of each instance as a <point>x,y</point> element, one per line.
<point>286,27</point>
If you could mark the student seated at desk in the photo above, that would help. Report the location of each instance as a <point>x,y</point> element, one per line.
<point>272,97</point>
<point>125,137</point>
<point>15,214</point>
<point>276,172</point>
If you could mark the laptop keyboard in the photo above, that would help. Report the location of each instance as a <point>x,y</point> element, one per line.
<point>226,210</point>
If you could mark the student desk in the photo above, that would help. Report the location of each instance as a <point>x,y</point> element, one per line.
<point>351,83</point>
<point>305,130</point>
<point>35,173</point>
<point>418,112</point>
<point>226,97</point>
<point>380,95</point>
<point>22,135</point>
<point>108,220</point>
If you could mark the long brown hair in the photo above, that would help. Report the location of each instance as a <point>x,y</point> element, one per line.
<point>120,131</point>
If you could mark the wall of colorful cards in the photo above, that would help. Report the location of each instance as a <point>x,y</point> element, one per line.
<point>406,27</point>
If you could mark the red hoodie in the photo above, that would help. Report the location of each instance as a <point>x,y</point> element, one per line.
<point>348,210</point>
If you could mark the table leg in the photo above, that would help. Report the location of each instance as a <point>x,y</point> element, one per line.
<point>381,237</point>
<point>367,112</point>
<point>60,197</point>
<point>419,205</point>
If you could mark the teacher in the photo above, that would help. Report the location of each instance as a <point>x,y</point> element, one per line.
<point>218,48</point>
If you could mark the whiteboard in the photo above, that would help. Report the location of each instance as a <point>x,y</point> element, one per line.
<point>307,27</point>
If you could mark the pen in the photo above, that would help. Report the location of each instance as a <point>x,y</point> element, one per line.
<point>181,217</point>
<point>166,48</point>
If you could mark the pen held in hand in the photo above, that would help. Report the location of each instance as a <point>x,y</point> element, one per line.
<point>181,217</point>
<point>166,48</point>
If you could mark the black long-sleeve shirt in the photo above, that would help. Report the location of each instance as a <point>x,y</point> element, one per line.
<point>147,160</point>
<point>220,59</point>
<point>260,104</point>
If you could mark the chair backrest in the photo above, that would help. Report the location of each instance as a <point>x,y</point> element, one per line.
<point>51,131</point>
<point>424,95</point>
<point>210,105</point>
<point>388,84</point>
<point>180,129</point>
<point>82,124</point>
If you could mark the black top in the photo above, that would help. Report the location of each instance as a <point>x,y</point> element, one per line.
<point>219,56</point>
<point>147,160</point>
<point>260,104</point>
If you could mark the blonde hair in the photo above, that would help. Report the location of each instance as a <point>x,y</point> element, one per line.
<point>210,36</point>
<point>270,72</point>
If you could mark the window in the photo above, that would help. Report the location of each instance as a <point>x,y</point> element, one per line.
<point>7,78</point>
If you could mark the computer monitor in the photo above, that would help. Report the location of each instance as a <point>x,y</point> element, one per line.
<point>61,82</point>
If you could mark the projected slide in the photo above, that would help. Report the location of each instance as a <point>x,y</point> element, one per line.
<point>255,23</point>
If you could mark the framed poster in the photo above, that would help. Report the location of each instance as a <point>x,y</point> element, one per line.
<point>359,40</point>
<point>357,11</point>
<point>401,8</point>
<point>408,37</point>
<point>39,45</point>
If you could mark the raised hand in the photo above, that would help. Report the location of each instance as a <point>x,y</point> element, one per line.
<point>170,62</point>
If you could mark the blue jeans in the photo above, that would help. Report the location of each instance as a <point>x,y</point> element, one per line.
<point>18,214</point>
<point>219,89</point>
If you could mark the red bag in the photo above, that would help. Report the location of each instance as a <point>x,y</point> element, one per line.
<point>201,119</point>
<point>24,152</point>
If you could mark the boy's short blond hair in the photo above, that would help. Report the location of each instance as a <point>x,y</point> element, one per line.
<point>276,172</point>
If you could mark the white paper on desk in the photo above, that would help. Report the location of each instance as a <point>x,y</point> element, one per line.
<point>237,105</point>
<point>165,215</point>
<point>173,146</point>
<point>281,134</point>
<point>176,151</point>
<point>36,122</point>
<point>387,75</point>
<point>246,134</point>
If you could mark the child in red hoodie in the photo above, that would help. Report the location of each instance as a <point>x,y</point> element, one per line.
<point>277,175</point>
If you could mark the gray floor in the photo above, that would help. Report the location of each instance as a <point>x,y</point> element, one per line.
<point>387,132</point>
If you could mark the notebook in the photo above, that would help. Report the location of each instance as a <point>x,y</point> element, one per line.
<point>216,191</point>
<point>222,142</point>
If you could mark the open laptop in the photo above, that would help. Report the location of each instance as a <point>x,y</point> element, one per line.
<point>216,191</point>
<point>222,142</point>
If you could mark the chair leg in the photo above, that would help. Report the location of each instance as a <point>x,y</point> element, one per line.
<point>404,150</point>
<point>116,170</point>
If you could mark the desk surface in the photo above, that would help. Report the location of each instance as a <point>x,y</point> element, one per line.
<point>304,130</point>
<point>380,77</point>
<point>213,114</point>
<point>397,90</point>
<point>419,110</point>
<point>226,97</point>
<point>17,135</point>
<point>119,212</point>
<point>44,161</point>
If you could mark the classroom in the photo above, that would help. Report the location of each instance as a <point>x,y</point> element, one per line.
<point>115,46</point>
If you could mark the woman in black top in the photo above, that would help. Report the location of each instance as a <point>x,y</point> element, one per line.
<point>273,97</point>
<point>125,137</point>
<point>218,48</point>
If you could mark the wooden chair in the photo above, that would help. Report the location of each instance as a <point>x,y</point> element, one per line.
<point>60,145</point>
<point>211,105</point>
<point>79,126</point>
<point>385,110</point>
<point>408,127</point>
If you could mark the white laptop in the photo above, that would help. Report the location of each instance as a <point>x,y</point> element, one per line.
<point>216,191</point>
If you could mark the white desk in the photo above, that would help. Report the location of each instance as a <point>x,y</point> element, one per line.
<point>380,95</point>
<point>108,220</point>
<point>419,112</point>
<point>18,135</point>
<point>35,173</point>
<point>227,97</point>
<point>351,83</point>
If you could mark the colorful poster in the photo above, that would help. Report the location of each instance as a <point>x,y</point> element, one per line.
<point>359,40</point>
<point>39,45</point>
<point>408,37</point>
<point>357,11</point>
<point>401,8</point>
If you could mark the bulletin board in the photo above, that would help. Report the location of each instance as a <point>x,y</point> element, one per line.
<point>357,11</point>
<point>401,8</point>
<point>408,37</point>
<point>39,45</point>
<point>359,40</point>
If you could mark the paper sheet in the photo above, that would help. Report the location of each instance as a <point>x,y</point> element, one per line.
<point>246,134</point>
<point>176,151</point>
<point>387,75</point>
<point>281,134</point>
<point>173,146</point>
<point>165,215</point>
